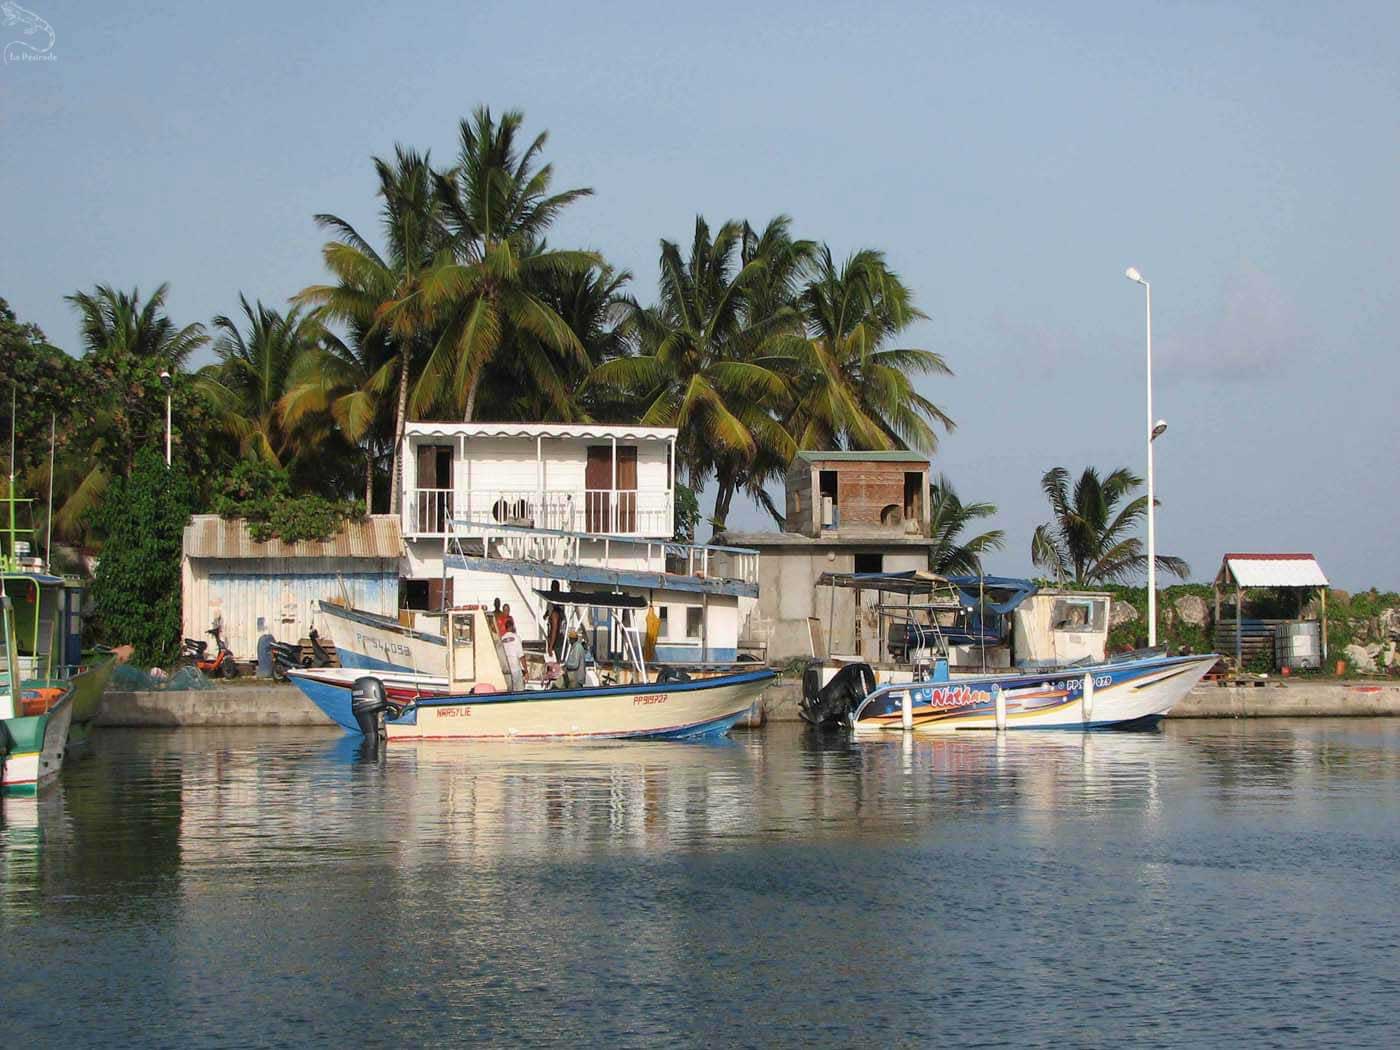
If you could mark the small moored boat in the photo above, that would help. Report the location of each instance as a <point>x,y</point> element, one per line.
<point>476,702</point>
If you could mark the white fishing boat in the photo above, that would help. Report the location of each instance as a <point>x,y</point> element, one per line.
<point>477,700</point>
<point>909,623</point>
<point>1133,691</point>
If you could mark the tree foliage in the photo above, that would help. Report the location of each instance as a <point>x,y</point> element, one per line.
<point>954,553</point>
<point>1090,540</point>
<point>136,595</point>
<point>261,495</point>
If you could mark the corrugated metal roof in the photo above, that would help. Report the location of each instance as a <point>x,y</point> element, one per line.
<point>623,432</point>
<point>1275,570</point>
<point>842,456</point>
<point>210,536</point>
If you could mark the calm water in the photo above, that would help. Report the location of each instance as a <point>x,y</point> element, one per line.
<point>1213,883</point>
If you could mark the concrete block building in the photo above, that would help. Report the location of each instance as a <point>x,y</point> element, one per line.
<point>845,512</point>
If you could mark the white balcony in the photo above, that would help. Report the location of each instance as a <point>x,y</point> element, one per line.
<point>614,512</point>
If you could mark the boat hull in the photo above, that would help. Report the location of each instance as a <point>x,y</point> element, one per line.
<point>37,744</point>
<point>329,689</point>
<point>368,642</point>
<point>1130,694</point>
<point>88,687</point>
<point>673,710</point>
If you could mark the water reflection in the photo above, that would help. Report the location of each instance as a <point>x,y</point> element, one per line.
<point>768,885</point>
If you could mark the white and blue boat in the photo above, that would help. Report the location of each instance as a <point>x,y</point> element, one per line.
<point>475,701</point>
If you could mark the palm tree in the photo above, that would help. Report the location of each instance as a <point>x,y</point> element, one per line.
<point>381,295</point>
<point>127,343</point>
<point>252,375</point>
<point>855,391</point>
<point>698,369</point>
<point>119,324</point>
<point>489,296</point>
<point>954,554</point>
<point>1088,543</point>
<point>339,386</point>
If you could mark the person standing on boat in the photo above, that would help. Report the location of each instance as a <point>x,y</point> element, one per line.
<point>554,626</point>
<point>575,660</point>
<point>515,655</point>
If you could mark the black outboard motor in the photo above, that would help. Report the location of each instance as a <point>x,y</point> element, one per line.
<point>370,705</point>
<point>832,704</point>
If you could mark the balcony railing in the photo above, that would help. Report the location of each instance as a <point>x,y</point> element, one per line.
<point>616,512</point>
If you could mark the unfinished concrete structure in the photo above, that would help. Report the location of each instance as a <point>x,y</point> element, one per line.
<point>846,512</point>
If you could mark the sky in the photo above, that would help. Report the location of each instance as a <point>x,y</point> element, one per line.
<point>1011,160</point>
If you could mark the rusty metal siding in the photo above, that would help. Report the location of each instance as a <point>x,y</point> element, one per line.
<point>210,536</point>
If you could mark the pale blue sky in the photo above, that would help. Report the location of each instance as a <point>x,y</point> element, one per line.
<point>1011,159</point>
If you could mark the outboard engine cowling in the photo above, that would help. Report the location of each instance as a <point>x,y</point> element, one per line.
<point>833,703</point>
<point>367,702</point>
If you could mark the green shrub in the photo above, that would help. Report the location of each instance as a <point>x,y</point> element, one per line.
<point>136,595</point>
<point>261,495</point>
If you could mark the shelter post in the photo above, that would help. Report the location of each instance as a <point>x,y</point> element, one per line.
<point>1324,626</point>
<point>1239,627</point>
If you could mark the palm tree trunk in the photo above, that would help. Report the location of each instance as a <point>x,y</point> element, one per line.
<point>402,410</point>
<point>470,410</point>
<point>369,480</point>
<point>723,499</point>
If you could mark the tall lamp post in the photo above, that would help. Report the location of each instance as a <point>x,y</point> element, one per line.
<point>1155,429</point>
<point>167,382</point>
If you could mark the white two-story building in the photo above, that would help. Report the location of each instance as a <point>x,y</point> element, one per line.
<point>501,510</point>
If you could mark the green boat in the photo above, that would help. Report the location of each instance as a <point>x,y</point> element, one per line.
<point>35,715</point>
<point>46,628</point>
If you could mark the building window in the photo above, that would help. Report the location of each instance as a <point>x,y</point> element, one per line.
<point>827,499</point>
<point>663,613</point>
<point>413,594</point>
<point>1079,614</point>
<point>870,563</point>
<point>694,622</point>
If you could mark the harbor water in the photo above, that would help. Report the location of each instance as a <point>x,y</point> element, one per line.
<point>1215,882</point>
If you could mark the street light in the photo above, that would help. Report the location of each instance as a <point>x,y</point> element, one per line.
<point>1153,431</point>
<point>167,382</point>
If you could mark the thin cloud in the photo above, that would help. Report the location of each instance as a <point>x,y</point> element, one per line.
<point>1253,332</point>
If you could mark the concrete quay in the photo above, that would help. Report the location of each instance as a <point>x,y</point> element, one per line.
<point>1276,698</point>
<point>236,705</point>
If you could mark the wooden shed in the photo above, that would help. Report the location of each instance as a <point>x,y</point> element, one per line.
<point>1241,572</point>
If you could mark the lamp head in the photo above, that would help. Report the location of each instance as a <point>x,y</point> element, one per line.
<point>1133,275</point>
<point>1158,429</point>
<point>165,380</point>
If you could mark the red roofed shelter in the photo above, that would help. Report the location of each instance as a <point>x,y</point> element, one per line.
<point>1243,571</point>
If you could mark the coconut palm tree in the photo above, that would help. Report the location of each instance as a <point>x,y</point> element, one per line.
<point>382,295</point>
<point>697,367</point>
<point>954,553</point>
<point>128,342</point>
<point>337,387</point>
<point>489,294</point>
<point>1088,543</point>
<point>854,390</point>
<point>251,377</point>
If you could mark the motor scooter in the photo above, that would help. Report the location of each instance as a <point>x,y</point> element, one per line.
<point>221,664</point>
<point>288,655</point>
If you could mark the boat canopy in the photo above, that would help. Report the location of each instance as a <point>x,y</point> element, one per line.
<point>597,599</point>
<point>916,581</point>
<point>1003,593</point>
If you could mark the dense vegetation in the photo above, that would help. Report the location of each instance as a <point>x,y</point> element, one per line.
<point>759,343</point>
